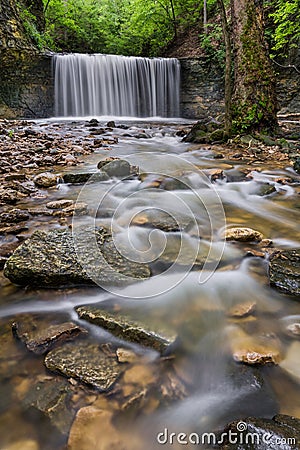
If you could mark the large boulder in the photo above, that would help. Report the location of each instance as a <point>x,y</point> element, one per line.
<point>285,271</point>
<point>50,259</point>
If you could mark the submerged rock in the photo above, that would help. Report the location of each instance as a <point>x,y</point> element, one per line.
<point>51,397</point>
<point>45,180</point>
<point>84,177</point>
<point>85,362</point>
<point>93,429</point>
<point>49,259</point>
<point>280,433</point>
<point>242,234</point>
<point>123,326</point>
<point>251,350</point>
<point>284,271</point>
<point>291,362</point>
<point>154,218</point>
<point>39,338</point>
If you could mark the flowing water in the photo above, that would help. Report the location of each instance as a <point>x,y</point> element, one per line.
<point>191,301</point>
<point>116,85</point>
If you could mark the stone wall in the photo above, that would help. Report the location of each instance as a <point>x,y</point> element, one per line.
<point>26,88</point>
<point>202,88</point>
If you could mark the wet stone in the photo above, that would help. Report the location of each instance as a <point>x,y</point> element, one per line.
<point>51,398</point>
<point>115,167</point>
<point>51,259</point>
<point>124,327</point>
<point>85,362</point>
<point>242,234</point>
<point>242,309</point>
<point>266,189</point>
<point>284,271</point>
<point>45,180</point>
<point>280,433</point>
<point>40,338</point>
<point>84,177</point>
<point>59,204</point>
<point>161,220</point>
<point>14,216</point>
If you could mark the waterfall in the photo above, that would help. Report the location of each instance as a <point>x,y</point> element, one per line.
<point>110,85</point>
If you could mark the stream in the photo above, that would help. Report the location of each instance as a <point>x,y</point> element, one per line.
<point>172,217</point>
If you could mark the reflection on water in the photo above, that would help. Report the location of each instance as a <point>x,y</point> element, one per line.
<point>216,390</point>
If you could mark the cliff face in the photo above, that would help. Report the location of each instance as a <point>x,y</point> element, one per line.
<point>25,73</point>
<point>13,35</point>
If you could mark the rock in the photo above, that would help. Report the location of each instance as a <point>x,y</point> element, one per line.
<point>79,209</point>
<point>291,362</point>
<point>242,235</point>
<point>93,429</point>
<point>24,444</point>
<point>59,204</point>
<point>124,355</point>
<point>242,309</point>
<point>280,433</point>
<point>111,124</point>
<point>291,326</point>
<point>85,362</point>
<point>254,350</point>
<point>2,262</point>
<point>45,180</point>
<point>266,189</point>
<point>115,167</point>
<point>84,177</point>
<point>14,216</point>
<point>15,229</point>
<point>49,259</point>
<point>10,196</point>
<point>297,165</point>
<point>52,398</point>
<point>93,122</point>
<point>123,326</point>
<point>284,271</point>
<point>155,218</point>
<point>40,338</point>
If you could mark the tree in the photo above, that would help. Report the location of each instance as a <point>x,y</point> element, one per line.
<point>254,104</point>
<point>250,95</point>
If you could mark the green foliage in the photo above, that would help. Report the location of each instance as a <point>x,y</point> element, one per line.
<point>41,40</point>
<point>129,27</point>
<point>286,17</point>
<point>213,44</point>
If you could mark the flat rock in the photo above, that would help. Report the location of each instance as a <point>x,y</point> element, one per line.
<point>258,350</point>
<point>291,362</point>
<point>85,362</point>
<point>242,234</point>
<point>284,271</point>
<point>242,309</point>
<point>161,220</point>
<point>40,338</point>
<point>84,177</point>
<point>45,180</point>
<point>59,204</point>
<point>124,327</point>
<point>49,259</point>
<point>280,433</point>
<point>14,216</point>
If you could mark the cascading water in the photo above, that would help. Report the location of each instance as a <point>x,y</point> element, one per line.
<point>110,85</point>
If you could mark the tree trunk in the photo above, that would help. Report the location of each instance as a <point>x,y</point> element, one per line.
<point>205,16</point>
<point>254,104</point>
<point>228,64</point>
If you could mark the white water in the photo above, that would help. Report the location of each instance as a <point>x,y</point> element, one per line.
<point>99,85</point>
